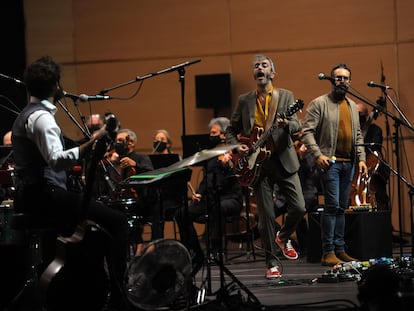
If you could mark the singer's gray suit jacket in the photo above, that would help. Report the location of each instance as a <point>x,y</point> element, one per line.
<point>242,122</point>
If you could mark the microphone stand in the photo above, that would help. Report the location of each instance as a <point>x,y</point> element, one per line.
<point>181,71</point>
<point>85,132</point>
<point>213,189</point>
<point>410,192</point>
<point>397,123</point>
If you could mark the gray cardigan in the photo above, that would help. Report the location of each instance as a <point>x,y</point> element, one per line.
<point>320,128</point>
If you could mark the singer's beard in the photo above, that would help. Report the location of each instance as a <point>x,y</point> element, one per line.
<point>339,92</point>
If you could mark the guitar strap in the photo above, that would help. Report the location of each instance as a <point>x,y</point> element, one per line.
<point>272,108</point>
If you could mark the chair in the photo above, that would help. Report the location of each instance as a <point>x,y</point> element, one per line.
<point>242,228</point>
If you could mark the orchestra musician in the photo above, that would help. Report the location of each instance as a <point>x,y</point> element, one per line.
<point>378,173</point>
<point>218,195</point>
<point>122,162</point>
<point>7,139</point>
<point>162,143</point>
<point>6,166</point>
<point>170,199</point>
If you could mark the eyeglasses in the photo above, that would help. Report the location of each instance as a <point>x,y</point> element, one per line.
<point>341,78</point>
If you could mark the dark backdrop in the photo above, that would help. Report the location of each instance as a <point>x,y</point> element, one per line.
<point>12,62</point>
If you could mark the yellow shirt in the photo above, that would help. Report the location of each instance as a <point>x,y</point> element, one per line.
<point>344,140</point>
<point>262,109</point>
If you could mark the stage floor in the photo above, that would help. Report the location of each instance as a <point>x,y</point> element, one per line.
<point>239,283</point>
<point>301,287</point>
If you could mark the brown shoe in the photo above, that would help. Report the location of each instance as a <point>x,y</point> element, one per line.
<point>330,260</point>
<point>345,257</point>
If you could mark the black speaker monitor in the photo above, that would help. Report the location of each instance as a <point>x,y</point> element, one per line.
<point>213,90</point>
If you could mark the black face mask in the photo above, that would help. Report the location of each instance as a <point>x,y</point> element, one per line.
<point>121,149</point>
<point>214,140</point>
<point>93,128</point>
<point>159,146</point>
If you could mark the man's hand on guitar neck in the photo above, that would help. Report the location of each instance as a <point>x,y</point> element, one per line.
<point>281,121</point>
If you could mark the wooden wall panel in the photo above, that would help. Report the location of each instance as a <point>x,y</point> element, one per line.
<point>147,29</point>
<point>49,29</point>
<point>105,43</point>
<point>405,20</point>
<point>300,24</point>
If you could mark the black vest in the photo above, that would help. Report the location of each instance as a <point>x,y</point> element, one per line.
<point>30,167</point>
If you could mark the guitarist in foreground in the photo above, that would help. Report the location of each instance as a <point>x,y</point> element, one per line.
<point>258,112</point>
<point>41,190</point>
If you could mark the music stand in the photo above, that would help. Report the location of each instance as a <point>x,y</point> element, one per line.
<point>163,160</point>
<point>169,199</point>
<point>194,143</point>
<point>158,180</point>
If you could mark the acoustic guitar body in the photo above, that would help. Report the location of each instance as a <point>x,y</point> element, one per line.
<point>80,281</point>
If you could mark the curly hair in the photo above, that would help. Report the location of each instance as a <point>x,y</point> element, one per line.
<point>42,76</point>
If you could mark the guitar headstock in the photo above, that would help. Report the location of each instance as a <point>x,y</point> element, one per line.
<point>296,106</point>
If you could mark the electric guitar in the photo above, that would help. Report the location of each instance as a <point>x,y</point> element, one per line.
<point>247,166</point>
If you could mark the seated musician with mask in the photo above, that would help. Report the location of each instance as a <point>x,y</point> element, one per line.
<point>123,162</point>
<point>219,194</point>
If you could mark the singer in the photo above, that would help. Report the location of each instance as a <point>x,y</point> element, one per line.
<point>258,109</point>
<point>41,191</point>
<point>331,128</point>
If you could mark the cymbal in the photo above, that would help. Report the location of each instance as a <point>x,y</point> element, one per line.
<point>204,155</point>
<point>159,174</point>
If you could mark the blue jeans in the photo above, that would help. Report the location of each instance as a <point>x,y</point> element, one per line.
<point>336,185</point>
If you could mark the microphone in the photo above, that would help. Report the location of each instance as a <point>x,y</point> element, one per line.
<point>70,95</point>
<point>61,94</point>
<point>381,86</point>
<point>85,98</point>
<point>322,76</point>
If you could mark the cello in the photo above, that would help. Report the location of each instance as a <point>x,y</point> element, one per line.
<point>73,278</point>
<point>365,189</point>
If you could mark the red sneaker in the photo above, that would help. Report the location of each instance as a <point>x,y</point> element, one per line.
<point>273,273</point>
<point>288,251</point>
